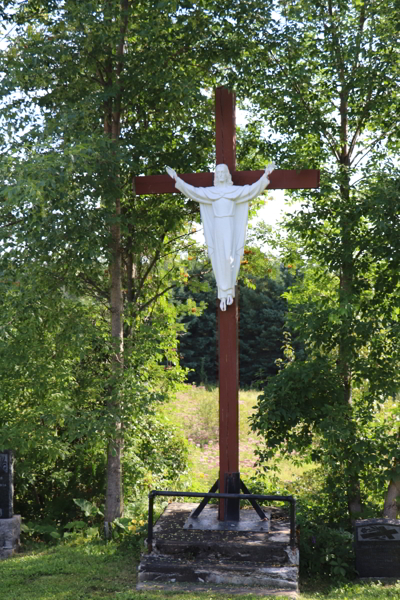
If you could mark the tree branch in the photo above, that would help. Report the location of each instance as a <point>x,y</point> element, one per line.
<point>150,267</point>
<point>146,304</point>
<point>361,23</point>
<point>370,147</point>
<point>336,44</point>
<point>89,281</point>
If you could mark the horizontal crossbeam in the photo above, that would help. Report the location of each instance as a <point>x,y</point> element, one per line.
<point>281,179</point>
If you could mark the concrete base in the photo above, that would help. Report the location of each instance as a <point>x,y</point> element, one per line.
<point>259,562</point>
<point>208,521</point>
<point>10,531</point>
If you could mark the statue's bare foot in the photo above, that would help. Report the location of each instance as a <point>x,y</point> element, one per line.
<point>229,300</point>
<point>222,304</point>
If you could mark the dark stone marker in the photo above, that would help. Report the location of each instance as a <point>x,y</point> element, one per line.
<point>377,547</point>
<point>6,484</point>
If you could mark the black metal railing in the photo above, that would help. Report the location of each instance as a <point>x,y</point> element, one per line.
<point>209,495</point>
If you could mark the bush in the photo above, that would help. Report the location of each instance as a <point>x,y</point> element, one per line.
<point>324,534</point>
<point>155,456</point>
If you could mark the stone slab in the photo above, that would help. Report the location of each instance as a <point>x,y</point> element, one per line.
<point>377,547</point>
<point>228,572</point>
<point>6,484</point>
<point>153,586</point>
<point>378,530</point>
<point>256,562</point>
<point>208,521</point>
<point>10,531</point>
<point>171,536</point>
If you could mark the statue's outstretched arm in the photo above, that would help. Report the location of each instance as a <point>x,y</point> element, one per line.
<point>258,187</point>
<point>171,173</point>
<point>269,168</point>
<point>190,191</point>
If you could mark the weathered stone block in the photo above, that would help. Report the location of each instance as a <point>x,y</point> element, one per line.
<point>10,531</point>
<point>251,560</point>
<point>6,484</point>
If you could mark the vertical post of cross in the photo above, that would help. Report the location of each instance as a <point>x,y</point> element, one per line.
<point>225,128</point>
<point>229,479</point>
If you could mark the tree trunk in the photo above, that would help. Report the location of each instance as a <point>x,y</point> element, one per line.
<point>112,124</point>
<point>354,502</point>
<point>392,501</point>
<point>114,493</point>
<point>346,292</point>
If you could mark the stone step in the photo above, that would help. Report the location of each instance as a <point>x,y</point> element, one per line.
<point>228,572</point>
<point>271,547</point>
<point>10,530</point>
<point>250,549</point>
<point>258,562</point>
<point>152,586</point>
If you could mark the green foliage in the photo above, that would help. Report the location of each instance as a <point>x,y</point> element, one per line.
<point>85,108</point>
<point>325,538</point>
<point>262,315</point>
<point>317,78</point>
<point>54,360</point>
<point>88,508</point>
<point>326,552</point>
<point>157,456</point>
<point>128,530</point>
<point>323,534</point>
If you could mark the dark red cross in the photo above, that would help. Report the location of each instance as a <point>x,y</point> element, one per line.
<point>281,179</point>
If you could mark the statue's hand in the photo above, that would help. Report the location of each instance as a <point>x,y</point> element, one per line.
<point>171,173</point>
<point>269,168</point>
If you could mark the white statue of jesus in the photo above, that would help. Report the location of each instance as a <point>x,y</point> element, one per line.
<point>224,209</point>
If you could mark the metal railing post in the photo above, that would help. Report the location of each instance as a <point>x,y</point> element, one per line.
<point>293,522</point>
<point>150,523</point>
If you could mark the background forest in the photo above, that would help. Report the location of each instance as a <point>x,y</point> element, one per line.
<point>107,300</point>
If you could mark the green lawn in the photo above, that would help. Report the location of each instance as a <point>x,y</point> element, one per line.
<point>90,571</point>
<point>95,571</point>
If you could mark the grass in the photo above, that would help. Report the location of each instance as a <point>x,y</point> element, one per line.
<point>195,413</point>
<point>66,572</point>
<point>99,571</point>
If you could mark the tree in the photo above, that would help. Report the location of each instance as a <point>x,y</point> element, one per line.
<point>55,369</point>
<point>324,76</point>
<point>262,320</point>
<point>95,93</point>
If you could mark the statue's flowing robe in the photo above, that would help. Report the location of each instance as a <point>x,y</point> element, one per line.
<point>224,212</point>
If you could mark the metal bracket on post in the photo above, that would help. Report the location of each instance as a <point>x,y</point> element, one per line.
<point>233,485</point>
<point>254,503</point>
<point>205,500</point>
<point>232,507</point>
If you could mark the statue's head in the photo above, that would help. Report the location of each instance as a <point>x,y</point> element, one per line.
<point>222,176</point>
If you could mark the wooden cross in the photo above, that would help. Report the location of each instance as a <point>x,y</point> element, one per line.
<point>225,122</point>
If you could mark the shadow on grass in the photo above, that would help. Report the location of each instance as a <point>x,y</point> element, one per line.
<point>99,571</point>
